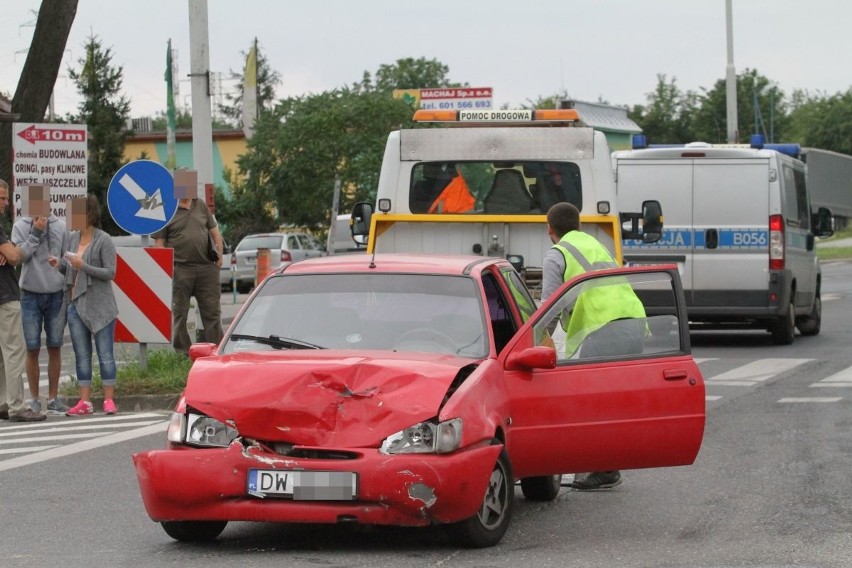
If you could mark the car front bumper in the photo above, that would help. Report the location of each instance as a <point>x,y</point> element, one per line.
<point>408,489</point>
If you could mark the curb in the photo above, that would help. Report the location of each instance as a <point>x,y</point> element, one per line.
<point>134,403</point>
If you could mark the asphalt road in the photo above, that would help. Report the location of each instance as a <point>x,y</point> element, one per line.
<point>769,488</point>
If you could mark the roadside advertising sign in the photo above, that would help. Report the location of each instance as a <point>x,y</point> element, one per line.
<point>52,155</point>
<point>462,98</point>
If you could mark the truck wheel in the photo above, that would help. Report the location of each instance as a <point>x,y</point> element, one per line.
<point>784,328</point>
<point>490,523</point>
<point>544,488</point>
<point>810,324</point>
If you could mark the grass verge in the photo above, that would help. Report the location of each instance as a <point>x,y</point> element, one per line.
<point>165,374</point>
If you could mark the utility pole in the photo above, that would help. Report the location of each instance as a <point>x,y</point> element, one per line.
<point>202,126</point>
<point>731,79</point>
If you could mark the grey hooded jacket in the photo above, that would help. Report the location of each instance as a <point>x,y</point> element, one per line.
<point>92,293</point>
<point>36,274</point>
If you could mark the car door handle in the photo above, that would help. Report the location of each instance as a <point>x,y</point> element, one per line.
<point>674,374</point>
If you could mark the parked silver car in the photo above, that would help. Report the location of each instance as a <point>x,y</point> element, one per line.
<point>283,247</point>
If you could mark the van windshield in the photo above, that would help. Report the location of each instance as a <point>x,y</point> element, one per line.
<point>499,188</point>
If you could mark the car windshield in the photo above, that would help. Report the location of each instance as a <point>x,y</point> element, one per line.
<point>260,242</point>
<point>395,312</point>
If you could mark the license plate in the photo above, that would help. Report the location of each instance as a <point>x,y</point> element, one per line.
<point>303,485</point>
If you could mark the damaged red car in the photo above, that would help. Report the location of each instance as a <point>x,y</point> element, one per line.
<point>417,390</point>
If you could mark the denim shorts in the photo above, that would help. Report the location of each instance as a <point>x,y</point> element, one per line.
<point>43,311</point>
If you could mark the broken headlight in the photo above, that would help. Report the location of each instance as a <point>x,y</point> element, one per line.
<point>425,438</point>
<point>200,430</point>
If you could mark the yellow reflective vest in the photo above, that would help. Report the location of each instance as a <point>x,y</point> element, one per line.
<point>600,304</point>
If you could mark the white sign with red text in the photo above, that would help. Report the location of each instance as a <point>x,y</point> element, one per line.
<point>55,155</point>
<point>460,98</point>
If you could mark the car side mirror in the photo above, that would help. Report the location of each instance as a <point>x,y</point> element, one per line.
<point>362,214</point>
<point>539,357</point>
<point>197,350</point>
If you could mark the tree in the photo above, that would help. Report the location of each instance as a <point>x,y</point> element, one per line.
<point>407,73</point>
<point>757,98</point>
<point>267,79</point>
<point>35,86</point>
<point>822,121</point>
<point>666,118</point>
<point>105,111</point>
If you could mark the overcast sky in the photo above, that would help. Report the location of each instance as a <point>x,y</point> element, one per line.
<point>597,49</point>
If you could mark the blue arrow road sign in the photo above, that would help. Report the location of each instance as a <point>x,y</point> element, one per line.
<point>141,197</point>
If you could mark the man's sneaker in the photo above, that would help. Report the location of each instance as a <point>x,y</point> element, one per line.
<point>109,407</point>
<point>598,480</point>
<point>4,414</point>
<point>27,415</point>
<point>35,405</point>
<point>56,406</point>
<point>82,408</point>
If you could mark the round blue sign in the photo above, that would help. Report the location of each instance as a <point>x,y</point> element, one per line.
<point>141,197</point>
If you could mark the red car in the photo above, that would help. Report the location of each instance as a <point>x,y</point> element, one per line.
<point>416,390</point>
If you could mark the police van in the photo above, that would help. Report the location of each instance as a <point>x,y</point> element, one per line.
<point>739,226</point>
<point>481,182</point>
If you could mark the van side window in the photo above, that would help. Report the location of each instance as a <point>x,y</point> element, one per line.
<point>795,206</point>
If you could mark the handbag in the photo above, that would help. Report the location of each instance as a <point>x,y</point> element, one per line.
<point>212,251</point>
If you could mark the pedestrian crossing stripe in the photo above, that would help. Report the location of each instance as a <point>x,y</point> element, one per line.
<point>754,372</point>
<point>841,379</point>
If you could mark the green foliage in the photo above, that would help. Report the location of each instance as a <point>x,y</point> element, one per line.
<point>666,118</point>
<point>165,373</point>
<point>408,73</point>
<point>823,121</point>
<point>105,111</point>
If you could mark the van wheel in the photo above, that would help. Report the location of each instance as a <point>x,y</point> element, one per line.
<point>784,328</point>
<point>810,324</point>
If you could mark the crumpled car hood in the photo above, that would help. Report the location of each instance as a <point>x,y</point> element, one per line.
<point>321,398</point>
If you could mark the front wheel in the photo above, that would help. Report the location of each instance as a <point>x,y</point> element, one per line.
<point>194,531</point>
<point>810,324</point>
<point>488,526</point>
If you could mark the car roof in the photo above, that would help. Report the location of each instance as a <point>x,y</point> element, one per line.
<point>393,262</point>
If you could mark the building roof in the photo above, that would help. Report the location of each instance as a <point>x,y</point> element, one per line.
<point>605,118</point>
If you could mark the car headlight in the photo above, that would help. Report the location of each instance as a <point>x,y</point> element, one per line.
<point>425,438</point>
<point>200,430</point>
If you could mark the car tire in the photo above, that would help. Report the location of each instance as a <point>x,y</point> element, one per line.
<point>243,288</point>
<point>811,323</point>
<point>490,523</point>
<point>194,531</point>
<point>784,328</point>
<point>544,488</point>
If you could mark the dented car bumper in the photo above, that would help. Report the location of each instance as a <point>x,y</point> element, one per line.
<point>402,489</point>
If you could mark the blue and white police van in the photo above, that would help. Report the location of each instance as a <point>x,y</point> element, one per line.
<point>739,225</point>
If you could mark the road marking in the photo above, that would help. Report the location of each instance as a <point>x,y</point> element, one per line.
<point>103,419</point>
<point>841,379</point>
<point>25,449</point>
<point>755,372</point>
<point>812,399</point>
<point>711,398</point>
<point>51,438</point>
<point>71,427</point>
<point>83,446</point>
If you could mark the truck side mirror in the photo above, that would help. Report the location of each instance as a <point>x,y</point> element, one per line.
<point>822,223</point>
<point>362,213</point>
<point>652,221</point>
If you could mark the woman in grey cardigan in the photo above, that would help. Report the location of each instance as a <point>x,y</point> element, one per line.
<point>89,268</point>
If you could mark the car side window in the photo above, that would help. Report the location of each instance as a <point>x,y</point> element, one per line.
<point>615,317</point>
<point>293,243</point>
<point>307,242</point>
<point>502,323</point>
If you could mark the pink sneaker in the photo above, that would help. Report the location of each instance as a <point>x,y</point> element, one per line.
<point>82,408</point>
<point>109,407</point>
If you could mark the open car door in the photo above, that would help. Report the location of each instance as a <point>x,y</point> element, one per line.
<point>607,403</point>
